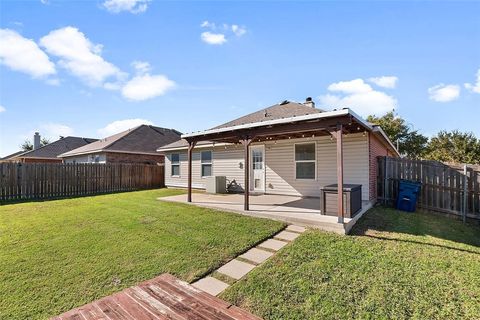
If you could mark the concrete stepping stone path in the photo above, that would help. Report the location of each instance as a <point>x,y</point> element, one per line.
<point>286,235</point>
<point>256,255</point>
<point>210,285</point>
<point>236,269</point>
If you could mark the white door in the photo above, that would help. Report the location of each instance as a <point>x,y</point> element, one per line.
<point>257,169</point>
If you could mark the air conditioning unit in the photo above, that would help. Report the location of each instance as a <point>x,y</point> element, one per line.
<point>216,184</point>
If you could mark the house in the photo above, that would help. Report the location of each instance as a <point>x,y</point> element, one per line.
<point>136,145</point>
<point>291,149</point>
<point>49,152</point>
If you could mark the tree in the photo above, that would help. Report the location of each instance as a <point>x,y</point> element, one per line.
<point>27,145</point>
<point>411,143</point>
<point>454,146</point>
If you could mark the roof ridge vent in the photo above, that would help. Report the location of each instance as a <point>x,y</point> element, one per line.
<point>284,102</point>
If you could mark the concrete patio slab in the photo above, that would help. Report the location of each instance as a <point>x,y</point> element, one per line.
<point>236,269</point>
<point>285,235</point>
<point>291,209</point>
<point>295,228</point>
<point>273,244</point>
<point>256,255</point>
<point>210,285</point>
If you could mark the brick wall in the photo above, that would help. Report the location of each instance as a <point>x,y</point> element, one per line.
<point>376,148</point>
<point>134,158</point>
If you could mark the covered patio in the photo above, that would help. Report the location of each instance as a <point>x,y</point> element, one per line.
<point>290,209</point>
<point>335,124</point>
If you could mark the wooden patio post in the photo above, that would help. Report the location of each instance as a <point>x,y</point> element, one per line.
<point>246,200</point>
<point>191,145</point>
<point>339,137</point>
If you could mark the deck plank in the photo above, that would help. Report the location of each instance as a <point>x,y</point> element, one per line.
<point>164,297</point>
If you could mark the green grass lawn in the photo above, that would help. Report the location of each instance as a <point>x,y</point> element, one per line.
<point>57,255</point>
<point>396,266</point>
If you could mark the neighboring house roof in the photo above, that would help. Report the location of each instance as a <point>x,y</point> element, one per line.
<point>143,139</point>
<point>53,149</point>
<point>13,155</point>
<point>285,109</point>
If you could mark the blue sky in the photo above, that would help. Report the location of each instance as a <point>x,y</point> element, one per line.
<point>91,68</point>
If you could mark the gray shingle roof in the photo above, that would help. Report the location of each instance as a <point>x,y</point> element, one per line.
<point>52,150</point>
<point>141,139</point>
<point>13,155</point>
<point>285,109</point>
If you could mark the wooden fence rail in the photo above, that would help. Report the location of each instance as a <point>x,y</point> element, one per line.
<point>23,181</point>
<point>445,188</point>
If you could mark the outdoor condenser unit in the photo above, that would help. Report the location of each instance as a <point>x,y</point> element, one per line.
<point>216,184</point>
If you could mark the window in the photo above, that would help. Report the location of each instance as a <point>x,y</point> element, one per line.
<point>206,162</point>
<point>257,159</point>
<point>97,158</point>
<point>305,161</point>
<point>175,164</point>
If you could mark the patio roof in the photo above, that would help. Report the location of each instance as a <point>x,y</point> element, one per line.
<point>285,128</point>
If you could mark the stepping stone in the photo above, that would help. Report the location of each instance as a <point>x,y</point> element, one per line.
<point>236,269</point>
<point>295,228</point>
<point>273,244</point>
<point>256,255</point>
<point>288,236</point>
<point>210,285</point>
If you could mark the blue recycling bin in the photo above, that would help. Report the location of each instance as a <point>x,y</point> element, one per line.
<point>407,195</point>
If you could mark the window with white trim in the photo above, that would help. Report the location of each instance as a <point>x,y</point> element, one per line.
<point>175,165</point>
<point>305,161</point>
<point>206,163</point>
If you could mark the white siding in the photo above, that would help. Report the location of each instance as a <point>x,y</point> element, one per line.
<point>280,166</point>
<point>225,162</point>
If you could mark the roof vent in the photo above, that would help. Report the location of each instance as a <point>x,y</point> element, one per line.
<point>284,102</point>
<point>309,102</point>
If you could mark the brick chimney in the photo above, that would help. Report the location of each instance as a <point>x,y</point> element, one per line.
<point>309,102</point>
<point>36,141</point>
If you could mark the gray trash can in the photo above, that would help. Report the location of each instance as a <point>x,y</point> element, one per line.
<point>352,200</point>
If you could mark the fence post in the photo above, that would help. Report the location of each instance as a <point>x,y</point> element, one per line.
<point>465,194</point>
<point>385,182</point>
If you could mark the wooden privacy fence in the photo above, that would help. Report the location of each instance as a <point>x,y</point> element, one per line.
<point>23,181</point>
<point>451,189</point>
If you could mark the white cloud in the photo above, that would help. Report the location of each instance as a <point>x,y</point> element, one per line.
<point>55,130</point>
<point>475,87</point>
<point>2,109</point>
<point>80,56</point>
<point>444,93</point>
<point>147,86</point>
<point>385,81</point>
<point>133,6</point>
<point>121,125</point>
<point>24,55</point>
<point>213,38</point>
<point>239,31</point>
<point>352,86</point>
<point>141,67</point>
<point>358,96</point>
<point>208,24</point>
<point>218,34</point>
<point>45,1</point>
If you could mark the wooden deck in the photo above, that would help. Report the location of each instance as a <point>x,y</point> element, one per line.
<point>164,297</point>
